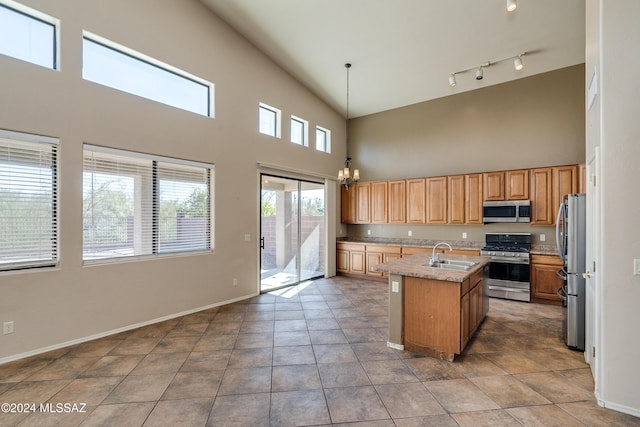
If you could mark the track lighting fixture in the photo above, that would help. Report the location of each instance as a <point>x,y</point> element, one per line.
<point>517,63</point>
<point>479,74</point>
<point>511,5</point>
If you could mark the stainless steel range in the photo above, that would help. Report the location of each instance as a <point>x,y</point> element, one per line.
<point>509,269</point>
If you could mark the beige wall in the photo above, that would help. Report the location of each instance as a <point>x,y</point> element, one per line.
<point>53,306</point>
<point>612,125</point>
<point>532,122</point>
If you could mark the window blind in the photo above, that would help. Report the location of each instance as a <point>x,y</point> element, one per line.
<point>28,201</point>
<point>136,204</point>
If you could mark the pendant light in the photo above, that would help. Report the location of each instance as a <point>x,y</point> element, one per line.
<point>344,175</point>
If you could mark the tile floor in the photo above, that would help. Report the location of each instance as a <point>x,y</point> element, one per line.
<point>311,355</point>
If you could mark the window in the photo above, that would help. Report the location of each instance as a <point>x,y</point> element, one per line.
<point>299,131</point>
<point>28,35</point>
<point>269,120</point>
<point>136,204</point>
<point>28,201</point>
<point>121,68</point>
<point>323,139</point>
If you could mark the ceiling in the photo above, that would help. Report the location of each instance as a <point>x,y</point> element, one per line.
<point>403,51</point>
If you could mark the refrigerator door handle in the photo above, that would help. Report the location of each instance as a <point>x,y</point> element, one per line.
<point>559,231</point>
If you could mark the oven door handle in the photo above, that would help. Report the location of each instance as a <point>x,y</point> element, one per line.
<point>507,260</point>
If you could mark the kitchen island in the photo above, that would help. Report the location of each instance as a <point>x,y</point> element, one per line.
<point>435,310</point>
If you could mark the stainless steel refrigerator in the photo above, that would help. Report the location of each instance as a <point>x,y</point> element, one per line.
<point>571,241</point>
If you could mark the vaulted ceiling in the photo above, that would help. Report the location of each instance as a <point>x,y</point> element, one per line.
<point>403,51</point>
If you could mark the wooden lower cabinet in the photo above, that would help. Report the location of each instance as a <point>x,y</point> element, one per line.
<point>359,259</point>
<point>544,281</point>
<point>440,317</point>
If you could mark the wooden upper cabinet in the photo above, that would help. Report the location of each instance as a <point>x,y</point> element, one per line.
<point>348,205</point>
<point>363,202</point>
<point>517,184</point>
<point>456,199</point>
<point>565,181</point>
<point>416,193</point>
<point>396,204</point>
<point>493,185</point>
<point>473,198</point>
<point>541,196</point>
<point>436,200</point>
<point>379,202</point>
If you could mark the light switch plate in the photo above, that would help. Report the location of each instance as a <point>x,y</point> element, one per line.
<point>395,286</point>
<point>636,267</point>
<point>410,233</point>
<point>543,237</point>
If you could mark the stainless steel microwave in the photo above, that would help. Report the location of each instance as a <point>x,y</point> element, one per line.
<point>506,211</point>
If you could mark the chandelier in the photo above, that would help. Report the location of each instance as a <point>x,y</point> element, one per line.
<point>344,175</point>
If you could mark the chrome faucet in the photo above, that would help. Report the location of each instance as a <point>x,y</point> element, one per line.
<point>436,257</point>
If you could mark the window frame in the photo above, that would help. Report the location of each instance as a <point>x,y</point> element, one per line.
<point>54,143</point>
<point>151,216</point>
<point>327,139</point>
<point>157,64</point>
<point>305,131</point>
<point>36,15</point>
<point>277,119</point>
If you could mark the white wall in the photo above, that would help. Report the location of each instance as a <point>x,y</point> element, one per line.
<point>53,306</point>
<point>613,37</point>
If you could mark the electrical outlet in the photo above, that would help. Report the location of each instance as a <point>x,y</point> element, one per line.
<point>235,282</point>
<point>7,327</point>
<point>368,232</point>
<point>464,235</point>
<point>543,237</point>
<point>395,286</point>
<point>636,267</point>
<point>409,233</point>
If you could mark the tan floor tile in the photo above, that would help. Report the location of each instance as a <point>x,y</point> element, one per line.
<point>140,388</point>
<point>431,369</point>
<point>593,415</point>
<point>257,327</point>
<point>251,357</point>
<point>135,346</point>
<point>176,344</point>
<point>223,327</point>
<point>408,400</point>
<point>210,342</point>
<point>187,385</point>
<point>206,360</point>
<point>246,381</point>
<point>91,391</point>
<point>515,362</point>
<point>20,370</point>
<point>547,416</point>
<point>328,336</point>
<point>254,340</point>
<point>493,418</point>
<point>157,363</point>
<point>240,411</point>
<point>343,375</point>
<point>63,368</point>
<point>460,396</point>
<point>431,421</point>
<point>293,355</point>
<point>476,365</point>
<point>579,377</point>
<point>295,377</point>
<point>124,414</point>
<point>33,391</point>
<point>374,351</point>
<point>388,372</point>
<point>281,339</point>
<point>334,353</point>
<point>99,347</point>
<point>114,366</point>
<point>188,329</point>
<point>557,360</point>
<point>298,408</point>
<point>186,412</point>
<point>260,316</point>
<point>322,324</point>
<point>508,392</point>
<point>555,388</point>
<point>353,404</point>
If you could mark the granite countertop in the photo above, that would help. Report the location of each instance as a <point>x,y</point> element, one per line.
<point>418,266</point>
<point>536,249</point>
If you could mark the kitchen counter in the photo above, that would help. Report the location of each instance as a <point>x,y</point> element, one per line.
<point>418,266</point>
<point>435,311</point>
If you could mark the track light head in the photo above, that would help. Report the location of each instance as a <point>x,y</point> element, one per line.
<point>517,63</point>
<point>479,73</point>
<point>511,5</point>
<point>452,80</point>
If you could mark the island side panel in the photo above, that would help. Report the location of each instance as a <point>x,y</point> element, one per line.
<point>395,312</point>
<point>432,315</point>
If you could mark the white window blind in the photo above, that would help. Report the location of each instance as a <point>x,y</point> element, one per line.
<point>136,205</point>
<point>28,207</point>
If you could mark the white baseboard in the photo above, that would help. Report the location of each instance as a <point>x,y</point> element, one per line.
<point>619,408</point>
<point>395,346</point>
<point>118,330</point>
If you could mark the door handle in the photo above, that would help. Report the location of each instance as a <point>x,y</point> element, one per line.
<point>262,243</point>
<point>587,275</point>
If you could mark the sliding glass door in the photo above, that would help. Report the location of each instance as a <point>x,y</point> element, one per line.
<point>292,231</point>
